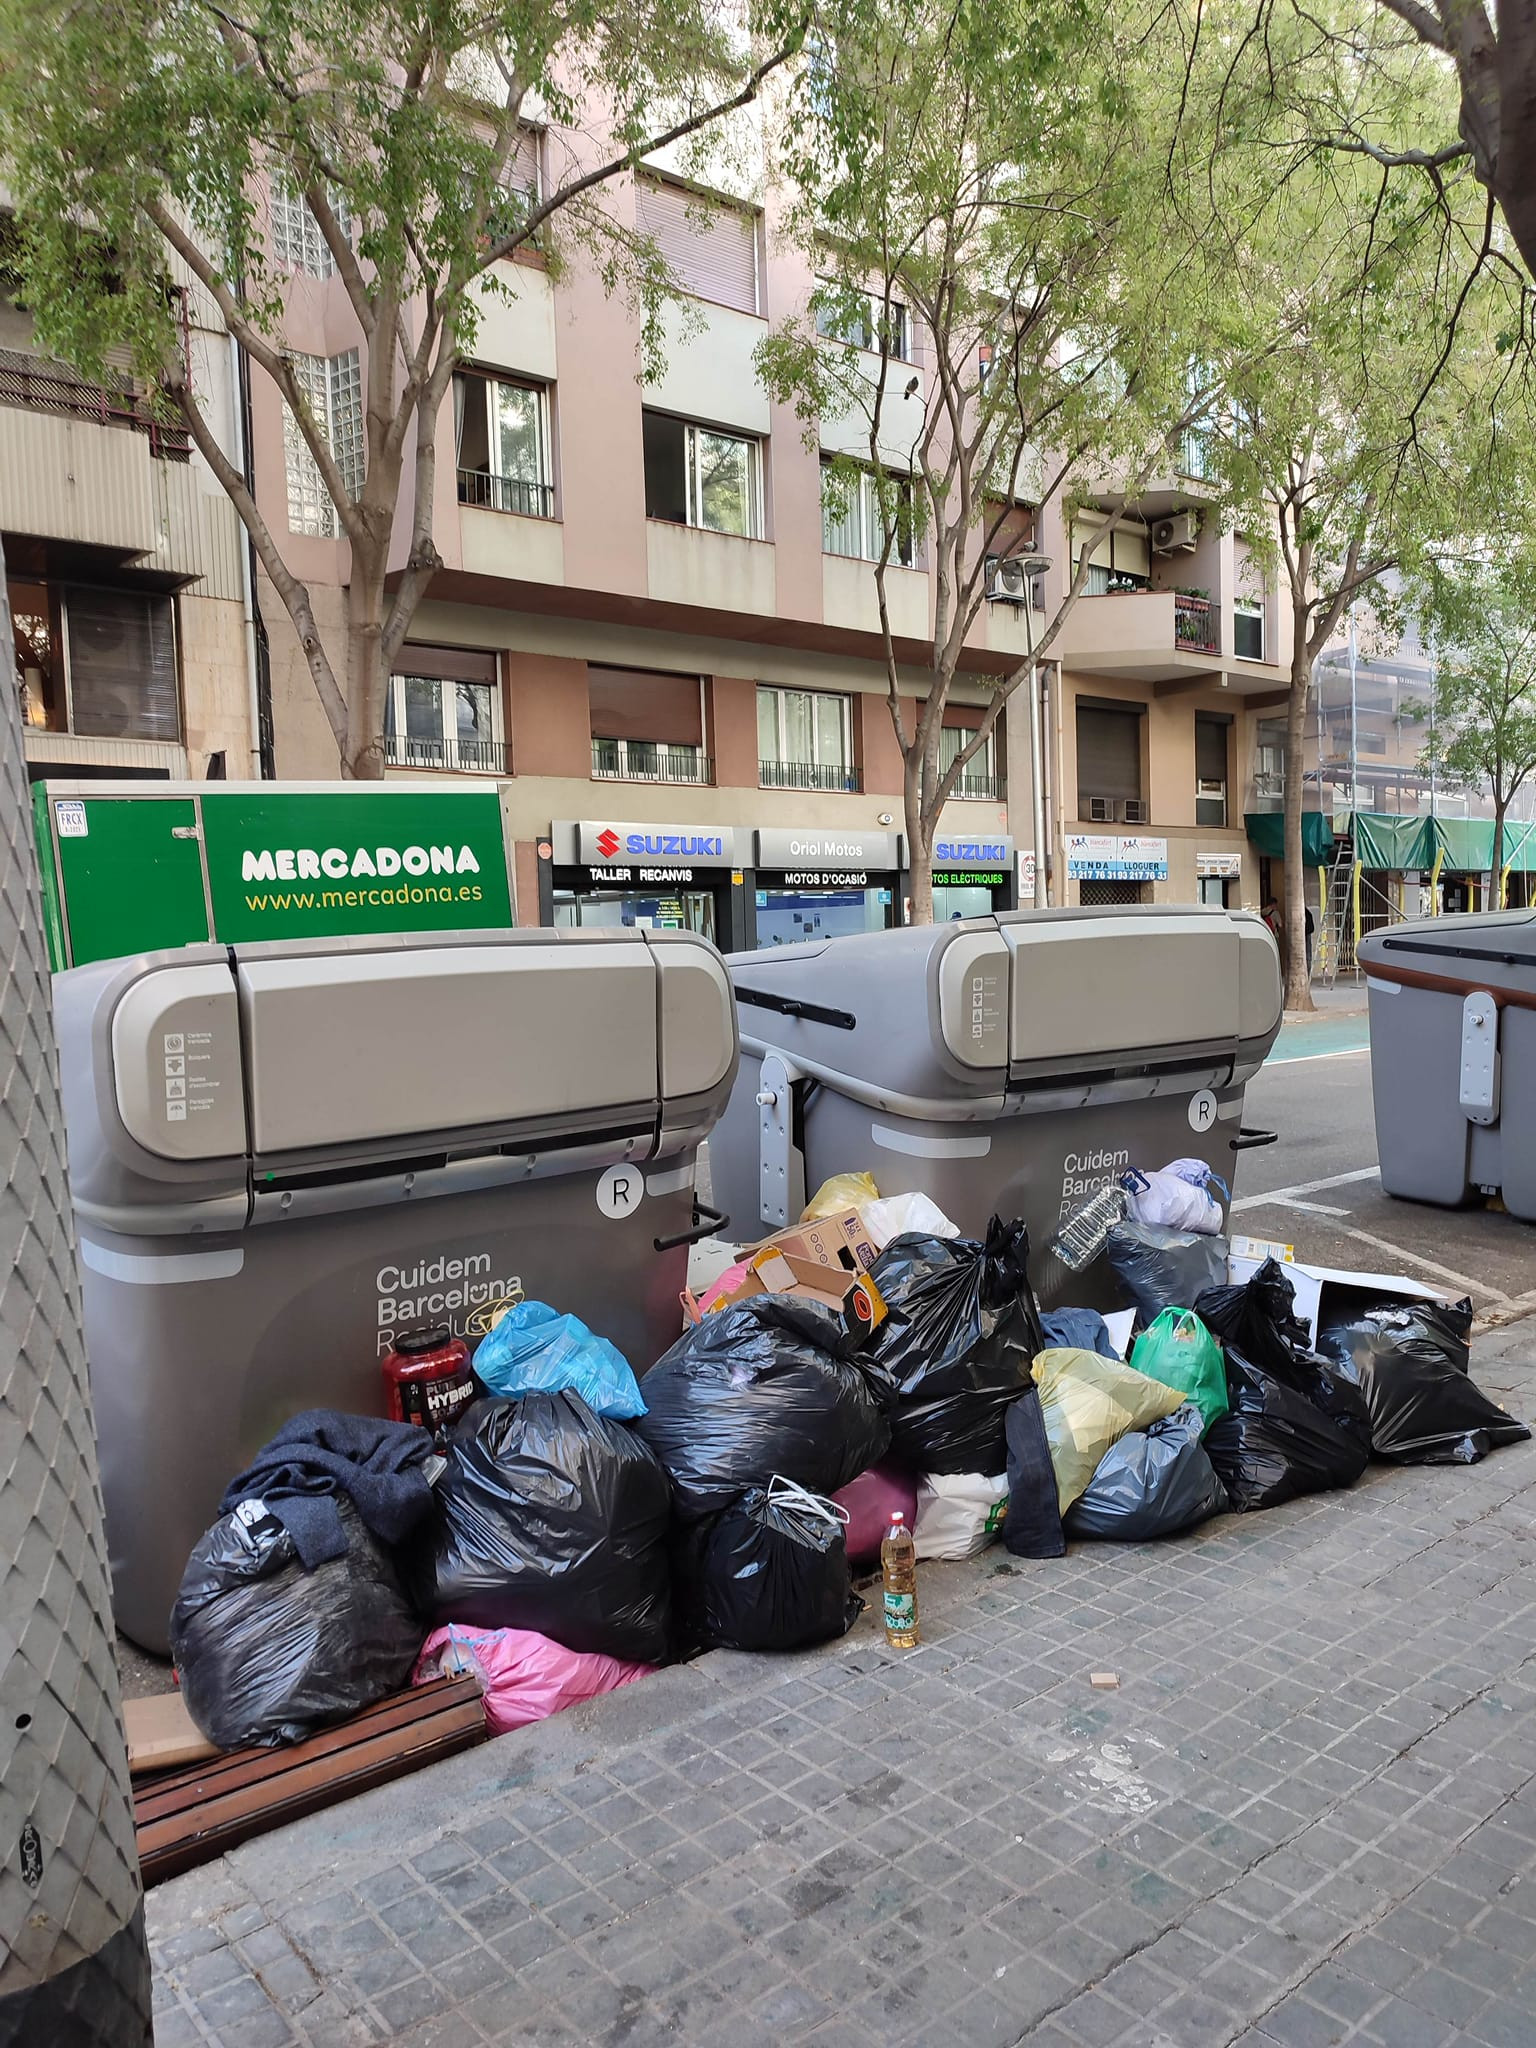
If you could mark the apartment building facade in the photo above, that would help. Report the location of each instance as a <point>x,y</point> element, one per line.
<point>649,627</point>
<point>127,570</point>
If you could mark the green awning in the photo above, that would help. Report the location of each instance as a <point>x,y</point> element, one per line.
<point>1467,844</point>
<point>1384,841</point>
<point>1266,834</point>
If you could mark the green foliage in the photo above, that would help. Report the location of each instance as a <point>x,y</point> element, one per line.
<point>1480,621</point>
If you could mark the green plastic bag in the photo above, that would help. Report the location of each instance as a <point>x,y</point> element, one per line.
<point>1181,1352</point>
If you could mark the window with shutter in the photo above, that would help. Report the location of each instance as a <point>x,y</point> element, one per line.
<point>122,665</point>
<point>1108,755</point>
<point>711,248</point>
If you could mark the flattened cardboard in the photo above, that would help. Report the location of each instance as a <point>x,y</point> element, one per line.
<point>854,1296</point>
<point>162,1734</point>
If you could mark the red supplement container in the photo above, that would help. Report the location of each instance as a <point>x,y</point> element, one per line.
<point>427,1378</point>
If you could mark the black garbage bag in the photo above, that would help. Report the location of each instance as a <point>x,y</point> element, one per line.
<point>552,1518</point>
<point>1159,1268</point>
<point>268,1652</point>
<point>1277,1443</point>
<point>770,1573</point>
<point>1032,1525</point>
<point>1153,1482</point>
<point>1411,1361</point>
<point>961,1332</point>
<point>1257,1318</point>
<point>758,1390</point>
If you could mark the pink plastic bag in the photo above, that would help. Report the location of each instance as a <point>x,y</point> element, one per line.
<point>526,1677</point>
<point>870,1501</point>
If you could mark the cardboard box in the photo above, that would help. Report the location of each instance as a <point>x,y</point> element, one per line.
<point>854,1296</point>
<point>840,1241</point>
<point>162,1734</point>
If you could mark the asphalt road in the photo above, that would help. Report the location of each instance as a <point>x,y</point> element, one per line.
<point>1317,1187</point>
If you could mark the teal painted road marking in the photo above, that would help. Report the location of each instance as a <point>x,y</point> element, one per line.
<point>1321,1038</point>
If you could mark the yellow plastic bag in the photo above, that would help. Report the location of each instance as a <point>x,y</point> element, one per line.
<point>842,1191</point>
<point>1088,1404</point>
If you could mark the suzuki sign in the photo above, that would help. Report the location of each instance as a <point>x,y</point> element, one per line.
<point>701,846</point>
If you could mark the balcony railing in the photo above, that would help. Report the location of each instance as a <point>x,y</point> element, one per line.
<point>980,788</point>
<point>654,764</point>
<point>1194,624</point>
<point>464,757</point>
<point>1194,455</point>
<point>38,384</point>
<point>506,494</point>
<point>807,775</point>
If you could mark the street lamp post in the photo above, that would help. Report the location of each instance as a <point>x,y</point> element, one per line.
<point>1032,566</point>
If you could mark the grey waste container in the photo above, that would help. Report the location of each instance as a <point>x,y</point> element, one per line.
<point>1012,1064</point>
<point>282,1155</point>
<point>1453,1057</point>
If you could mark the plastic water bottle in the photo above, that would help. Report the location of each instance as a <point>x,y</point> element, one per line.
<point>1081,1238</point>
<point>898,1563</point>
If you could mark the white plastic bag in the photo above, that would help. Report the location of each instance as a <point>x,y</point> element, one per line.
<point>1178,1198</point>
<point>895,1215</point>
<point>959,1513</point>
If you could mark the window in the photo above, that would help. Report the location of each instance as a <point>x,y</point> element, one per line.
<point>696,476</point>
<point>1248,628</point>
<point>1211,737</point>
<point>857,319</point>
<point>1108,760</point>
<point>333,390</point>
<point>121,656</point>
<point>710,248</point>
<point>978,778</point>
<point>450,719</point>
<point>852,520</point>
<point>803,740</point>
<point>647,761</point>
<point>501,432</point>
<point>296,236</point>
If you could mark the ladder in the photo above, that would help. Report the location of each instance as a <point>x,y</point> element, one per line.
<point>1338,933</point>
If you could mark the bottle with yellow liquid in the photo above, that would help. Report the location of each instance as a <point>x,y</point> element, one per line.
<point>898,1563</point>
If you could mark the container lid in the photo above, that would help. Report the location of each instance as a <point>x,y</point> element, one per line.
<point>415,1342</point>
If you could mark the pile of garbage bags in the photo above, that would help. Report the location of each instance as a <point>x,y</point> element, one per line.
<point>572,1529</point>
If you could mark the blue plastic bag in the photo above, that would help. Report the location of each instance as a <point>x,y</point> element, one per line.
<point>535,1350</point>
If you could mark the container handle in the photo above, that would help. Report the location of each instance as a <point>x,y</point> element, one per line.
<point>707,1222</point>
<point>1249,1141</point>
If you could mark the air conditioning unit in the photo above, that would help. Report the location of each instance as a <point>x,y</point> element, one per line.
<point>1134,811</point>
<point>1176,535</point>
<point>1101,810</point>
<point>1007,582</point>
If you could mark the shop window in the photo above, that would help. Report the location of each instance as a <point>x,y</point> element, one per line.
<point>697,476</point>
<point>446,714</point>
<point>978,778</point>
<point>1109,764</point>
<point>804,740</point>
<point>1211,739</point>
<point>501,434</point>
<point>332,389</point>
<point>95,662</point>
<point>1213,890</point>
<point>1248,629</point>
<point>1101,894</point>
<point>853,521</point>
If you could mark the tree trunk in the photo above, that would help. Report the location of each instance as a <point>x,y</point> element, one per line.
<point>363,759</point>
<point>1298,978</point>
<point>919,844</point>
<point>1496,874</point>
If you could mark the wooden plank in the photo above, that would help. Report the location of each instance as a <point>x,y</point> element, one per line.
<point>245,1766</point>
<point>171,1848</point>
<point>176,1832</point>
